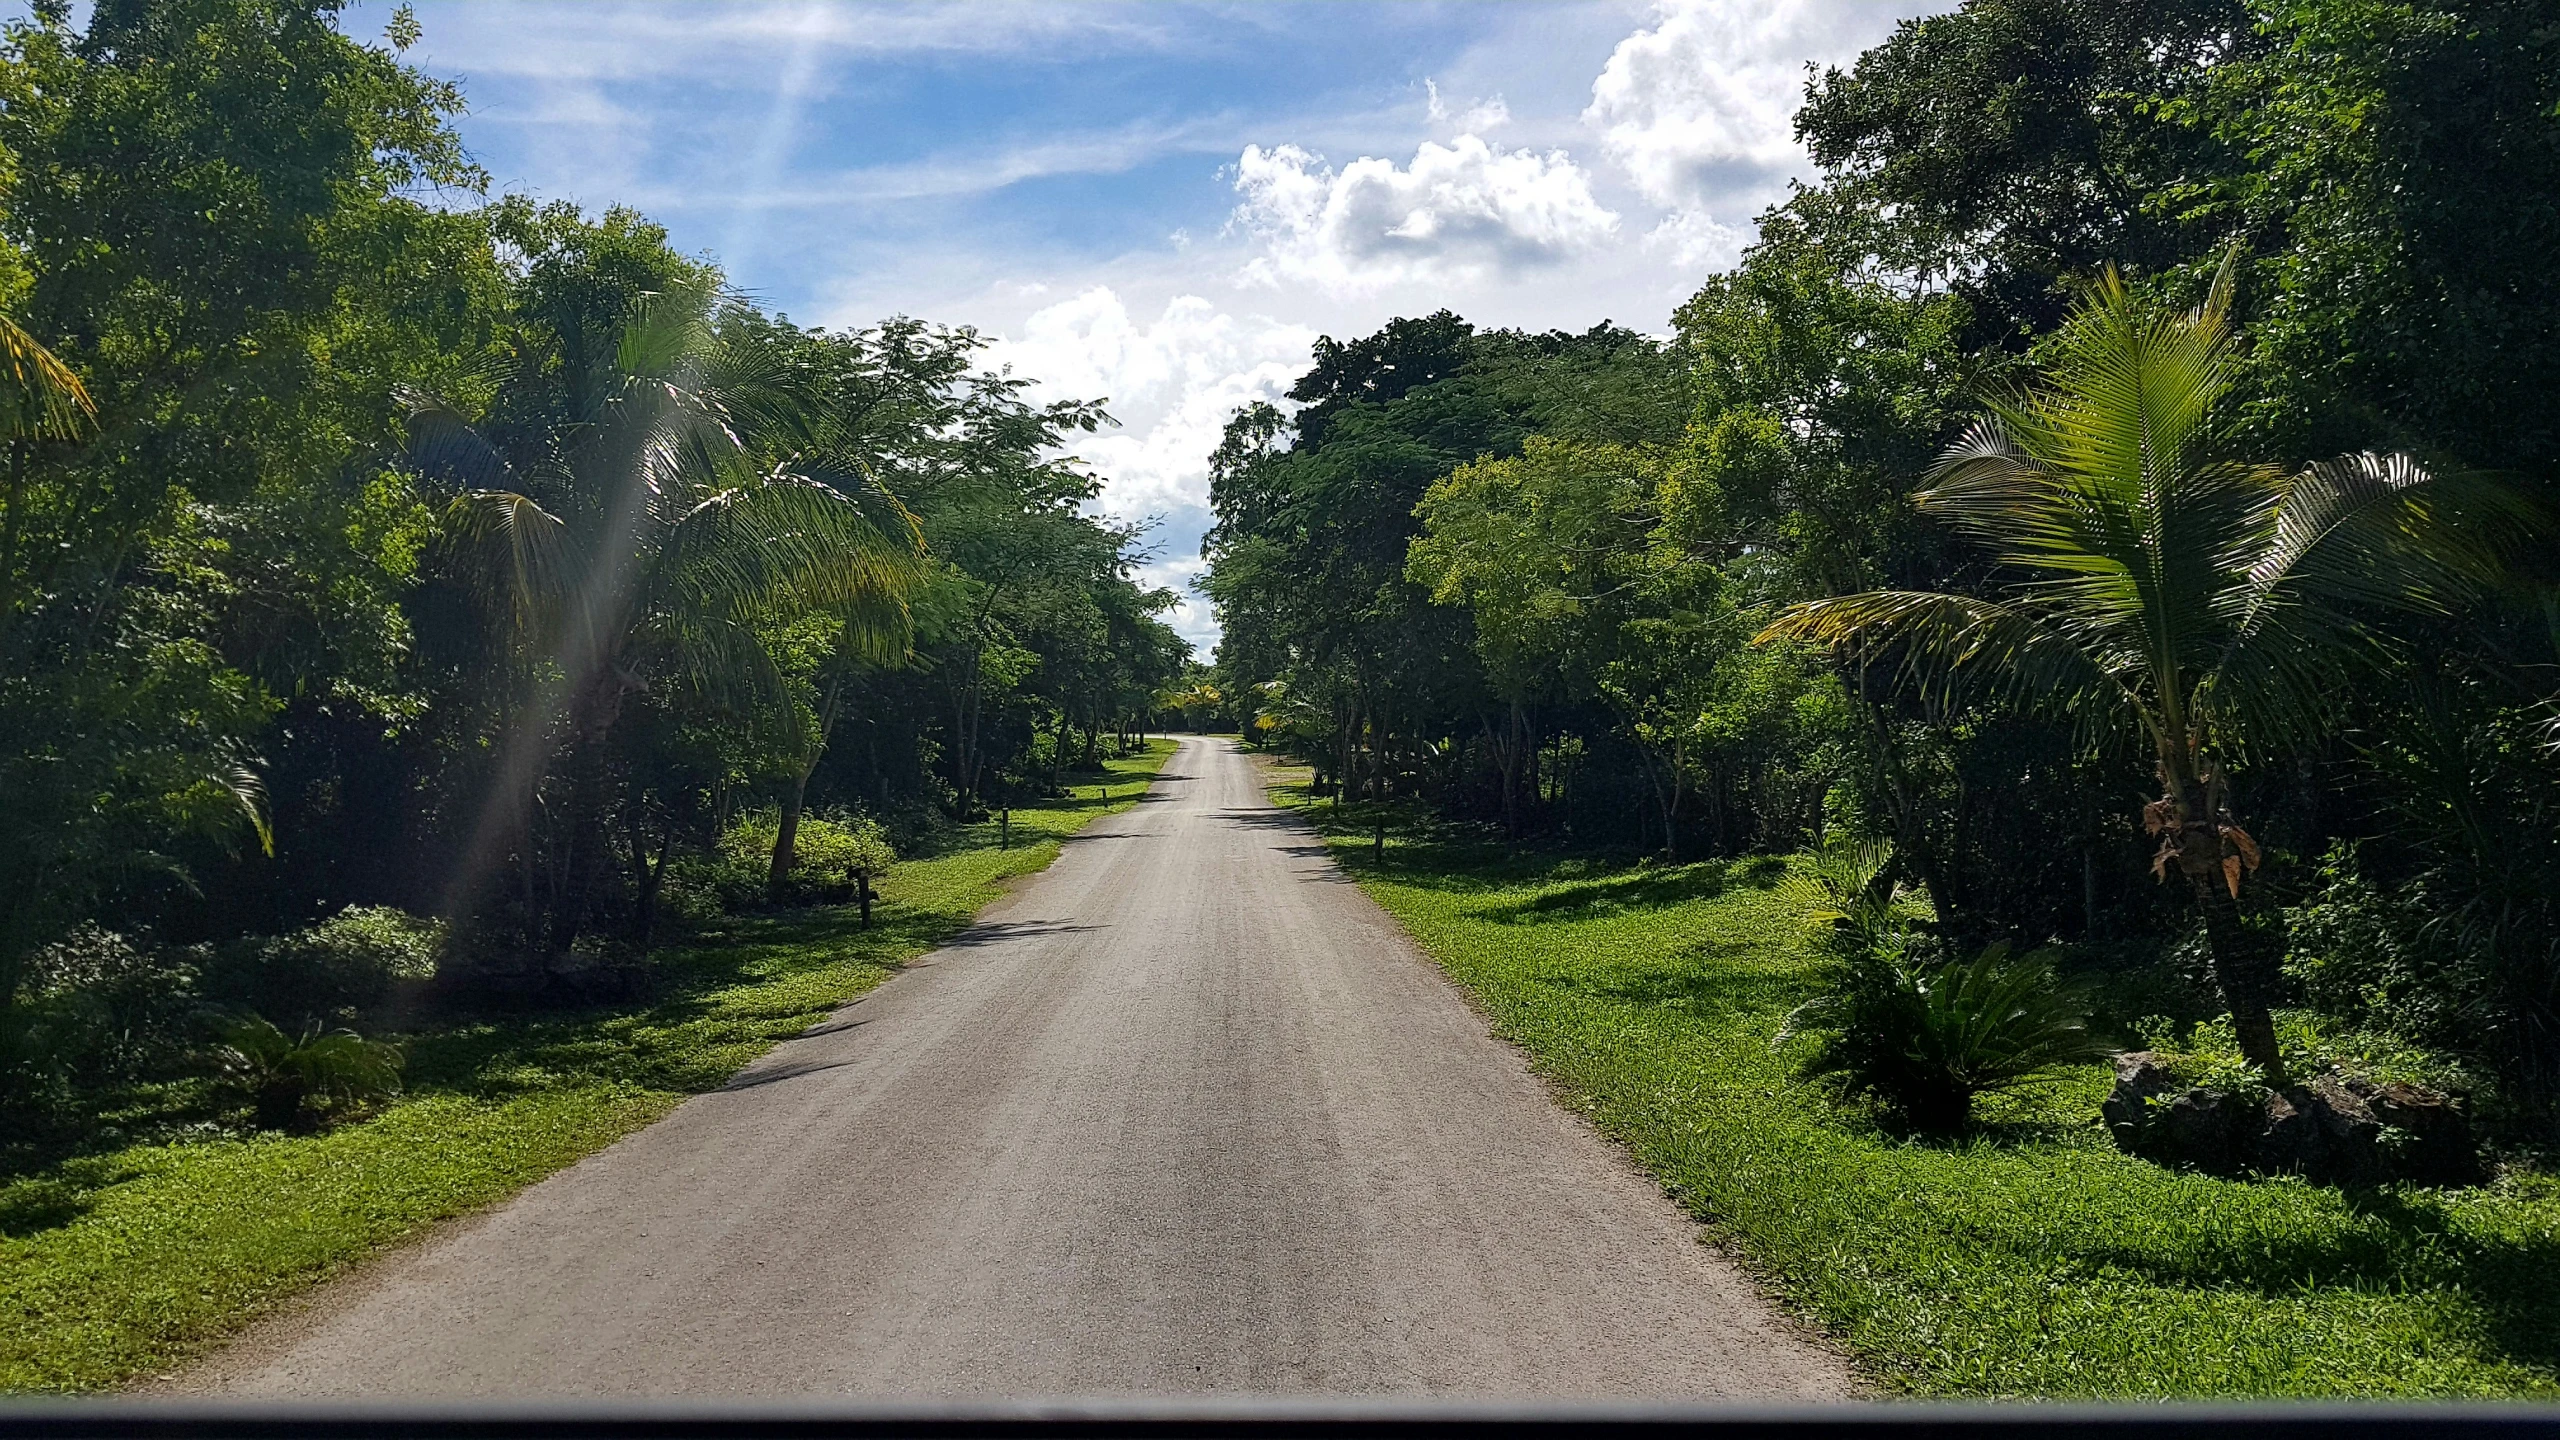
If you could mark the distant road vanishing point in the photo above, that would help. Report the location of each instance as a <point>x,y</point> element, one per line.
<point>1187,1113</point>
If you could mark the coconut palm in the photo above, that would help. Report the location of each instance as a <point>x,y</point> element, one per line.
<point>684,502</point>
<point>2164,591</point>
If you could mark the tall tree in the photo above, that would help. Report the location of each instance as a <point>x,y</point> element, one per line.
<point>208,219</point>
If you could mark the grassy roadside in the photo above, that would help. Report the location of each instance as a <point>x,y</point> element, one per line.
<point>123,1264</point>
<point>2031,1261</point>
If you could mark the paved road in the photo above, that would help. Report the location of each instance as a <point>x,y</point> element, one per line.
<point>1186,1113</point>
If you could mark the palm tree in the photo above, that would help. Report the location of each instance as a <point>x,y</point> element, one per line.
<point>2165,591</point>
<point>685,510</point>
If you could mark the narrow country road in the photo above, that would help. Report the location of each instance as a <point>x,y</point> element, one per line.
<point>1186,1113</point>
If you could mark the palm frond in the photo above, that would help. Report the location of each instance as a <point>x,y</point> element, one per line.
<point>725,662</point>
<point>2372,529</point>
<point>517,549</point>
<point>247,789</point>
<point>40,397</point>
<point>1954,646</point>
<point>664,335</point>
<point>784,542</point>
<point>444,446</point>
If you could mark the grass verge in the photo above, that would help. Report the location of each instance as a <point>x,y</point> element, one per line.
<point>123,1264</point>
<point>2031,1260</point>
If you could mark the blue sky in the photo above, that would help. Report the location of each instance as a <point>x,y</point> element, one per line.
<point>1162,204</point>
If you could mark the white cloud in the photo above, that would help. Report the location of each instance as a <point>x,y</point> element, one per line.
<point>1699,109</point>
<point>1172,382</point>
<point>1192,617</point>
<point>1463,210</point>
<point>1695,240</point>
<point>1475,119</point>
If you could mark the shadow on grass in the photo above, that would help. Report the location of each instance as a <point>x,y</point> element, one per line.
<point>1637,890</point>
<point>1692,990</point>
<point>678,1041</point>
<point>2388,1243</point>
<point>41,1203</point>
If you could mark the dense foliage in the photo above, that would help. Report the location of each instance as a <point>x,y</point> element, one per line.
<point>368,543</point>
<point>2144,401</point>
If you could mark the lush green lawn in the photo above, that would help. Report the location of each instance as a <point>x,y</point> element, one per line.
<point>119,1265</point>
<point>2032,1261</point>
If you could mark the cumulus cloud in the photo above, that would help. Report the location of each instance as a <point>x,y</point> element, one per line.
<point>1698,109</point>
<point>1458,211</point>
<point>1476,119</point>
<point>1172,381</point>
<point>1192,617</point>
<point>1695,240</point>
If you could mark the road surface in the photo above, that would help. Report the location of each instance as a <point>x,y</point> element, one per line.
<point>1185,1113</point>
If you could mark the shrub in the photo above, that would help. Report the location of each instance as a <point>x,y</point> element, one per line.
<point>838,860</point>
<point>100,1010</point>
<point>290,1081</point>
<point>344,963</point>
<point>2362,952</point>
<point>1927,1038</point>
<point>2208,1055</point>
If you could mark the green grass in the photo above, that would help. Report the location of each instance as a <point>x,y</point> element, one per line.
<point>121,1265</point>
<point>2032,1260</point>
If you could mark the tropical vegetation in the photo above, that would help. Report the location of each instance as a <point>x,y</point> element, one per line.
<point>2109,492</point>
<point>407,595</point>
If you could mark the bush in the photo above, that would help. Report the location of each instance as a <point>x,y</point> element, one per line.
<point>100,1010</point>
<point>2207,1054</point>
<point>838,860</point>
<point>346,963</point>
<point>2361,952</point>
<point>1927,1038</point>
<point>293,1082</point>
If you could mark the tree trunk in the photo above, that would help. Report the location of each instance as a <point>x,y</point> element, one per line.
<point>2192,818</point>
<point>646,875</point>
<point>786,834</point>
<point>786,837</point>
<point>1912,852</point>
<point>583,854</point>
<point>2089,894</point>
<point>2246,975</point>
<point>1511,753</point>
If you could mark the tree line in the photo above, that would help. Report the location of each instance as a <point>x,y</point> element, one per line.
<point>366,542</point>
<point>2116,488</point>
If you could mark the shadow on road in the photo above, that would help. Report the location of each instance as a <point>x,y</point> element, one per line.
<point>756,1079</point>
<point>998,931</point>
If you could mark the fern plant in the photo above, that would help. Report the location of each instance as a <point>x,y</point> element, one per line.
<point>1927,1038</point>
<point>286,1075</point>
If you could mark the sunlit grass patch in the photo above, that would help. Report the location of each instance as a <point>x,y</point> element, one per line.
<point>122,1264</point>
<point>2031,1260</point>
